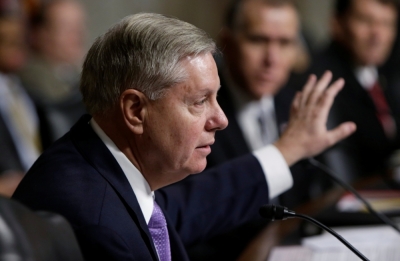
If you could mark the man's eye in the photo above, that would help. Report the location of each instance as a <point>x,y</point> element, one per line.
<point>257,39</point>
<point>286,42</point>
<point>201,102</point>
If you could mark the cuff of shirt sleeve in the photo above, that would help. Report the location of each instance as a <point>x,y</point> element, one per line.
<point>277,172</point>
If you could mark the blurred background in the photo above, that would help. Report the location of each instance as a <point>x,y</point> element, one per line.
<point>206,14</point>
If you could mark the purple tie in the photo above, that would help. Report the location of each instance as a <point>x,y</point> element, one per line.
<point>159,233</point>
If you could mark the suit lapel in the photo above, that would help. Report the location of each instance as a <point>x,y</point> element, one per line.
<point>96,153</point>
<point>10,158</point>
<point>343,68</point>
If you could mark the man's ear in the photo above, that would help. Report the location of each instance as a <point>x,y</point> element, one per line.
<point>133,105</point>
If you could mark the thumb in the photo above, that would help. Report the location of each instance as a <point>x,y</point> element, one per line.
<point>342,131</point>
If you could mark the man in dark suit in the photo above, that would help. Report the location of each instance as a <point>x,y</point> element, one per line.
<point>20,121</point>
<point>363,35</point>
<point>151,84</point>
<point>259,44</point>
<point>51,74</point>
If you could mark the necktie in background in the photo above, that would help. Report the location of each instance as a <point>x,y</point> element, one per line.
<point>267,122</point>
<point>159,233</point>
<point>383,111</point>
<point>262,122</point>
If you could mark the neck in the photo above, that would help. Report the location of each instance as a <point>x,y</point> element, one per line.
<point>122,138</point>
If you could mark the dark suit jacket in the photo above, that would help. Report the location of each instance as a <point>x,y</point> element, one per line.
<point>9,159</point>
<point>369,148</point>
<point>79,178</point>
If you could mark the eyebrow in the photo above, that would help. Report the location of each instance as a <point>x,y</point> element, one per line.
<point>209,91</point>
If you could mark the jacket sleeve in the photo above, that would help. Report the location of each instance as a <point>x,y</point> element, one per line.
<point>217,200</point>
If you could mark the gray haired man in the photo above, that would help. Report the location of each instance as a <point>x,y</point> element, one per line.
<point>150,84</point>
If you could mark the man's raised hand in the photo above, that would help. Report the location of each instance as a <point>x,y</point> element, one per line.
<point>306,134</point>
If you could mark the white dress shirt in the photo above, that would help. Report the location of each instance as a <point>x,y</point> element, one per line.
<point>139,184</point>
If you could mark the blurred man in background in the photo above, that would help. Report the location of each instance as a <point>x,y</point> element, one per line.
<point>52,74</point>
<point>20,140</point>
<point>363,33</point>
<point>260,43</point>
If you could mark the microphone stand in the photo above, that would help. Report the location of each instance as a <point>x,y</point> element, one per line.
<point>273,212</point>
<point>332,175</point>
<point>344,241</point>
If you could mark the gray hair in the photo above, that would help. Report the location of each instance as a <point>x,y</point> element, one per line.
<point>143,52</point>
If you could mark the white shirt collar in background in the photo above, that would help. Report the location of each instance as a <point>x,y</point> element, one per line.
<point>248,111</point>
<point>366,76</point>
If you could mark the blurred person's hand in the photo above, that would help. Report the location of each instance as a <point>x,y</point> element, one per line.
<point>306,134</point>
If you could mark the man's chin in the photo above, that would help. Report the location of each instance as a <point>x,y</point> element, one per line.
<point>200,167</point>
<point>269,89</point>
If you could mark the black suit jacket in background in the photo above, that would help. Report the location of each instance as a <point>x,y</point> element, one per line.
<point>9,157</point>
<point>79,178</point>
<point>367,150</point>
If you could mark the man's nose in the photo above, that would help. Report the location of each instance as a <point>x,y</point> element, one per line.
<point>271,53</point>
<point>218,121</point>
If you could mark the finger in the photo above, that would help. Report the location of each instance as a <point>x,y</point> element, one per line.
<point>329,95</point>
<point>342,131</point>
<point>319,88</point>
<point>296,102</point>
<point>307,89</point>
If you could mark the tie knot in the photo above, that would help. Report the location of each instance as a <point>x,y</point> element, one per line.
<point>157,219</point>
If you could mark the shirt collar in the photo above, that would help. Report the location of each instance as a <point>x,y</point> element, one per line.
<point>139,184</point>
<point>366,76</point>
<point>248,111</point>
<point>242,100</point>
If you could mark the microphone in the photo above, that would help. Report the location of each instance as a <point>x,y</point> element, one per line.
<point>272,212</point>
<point>349,188</point>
